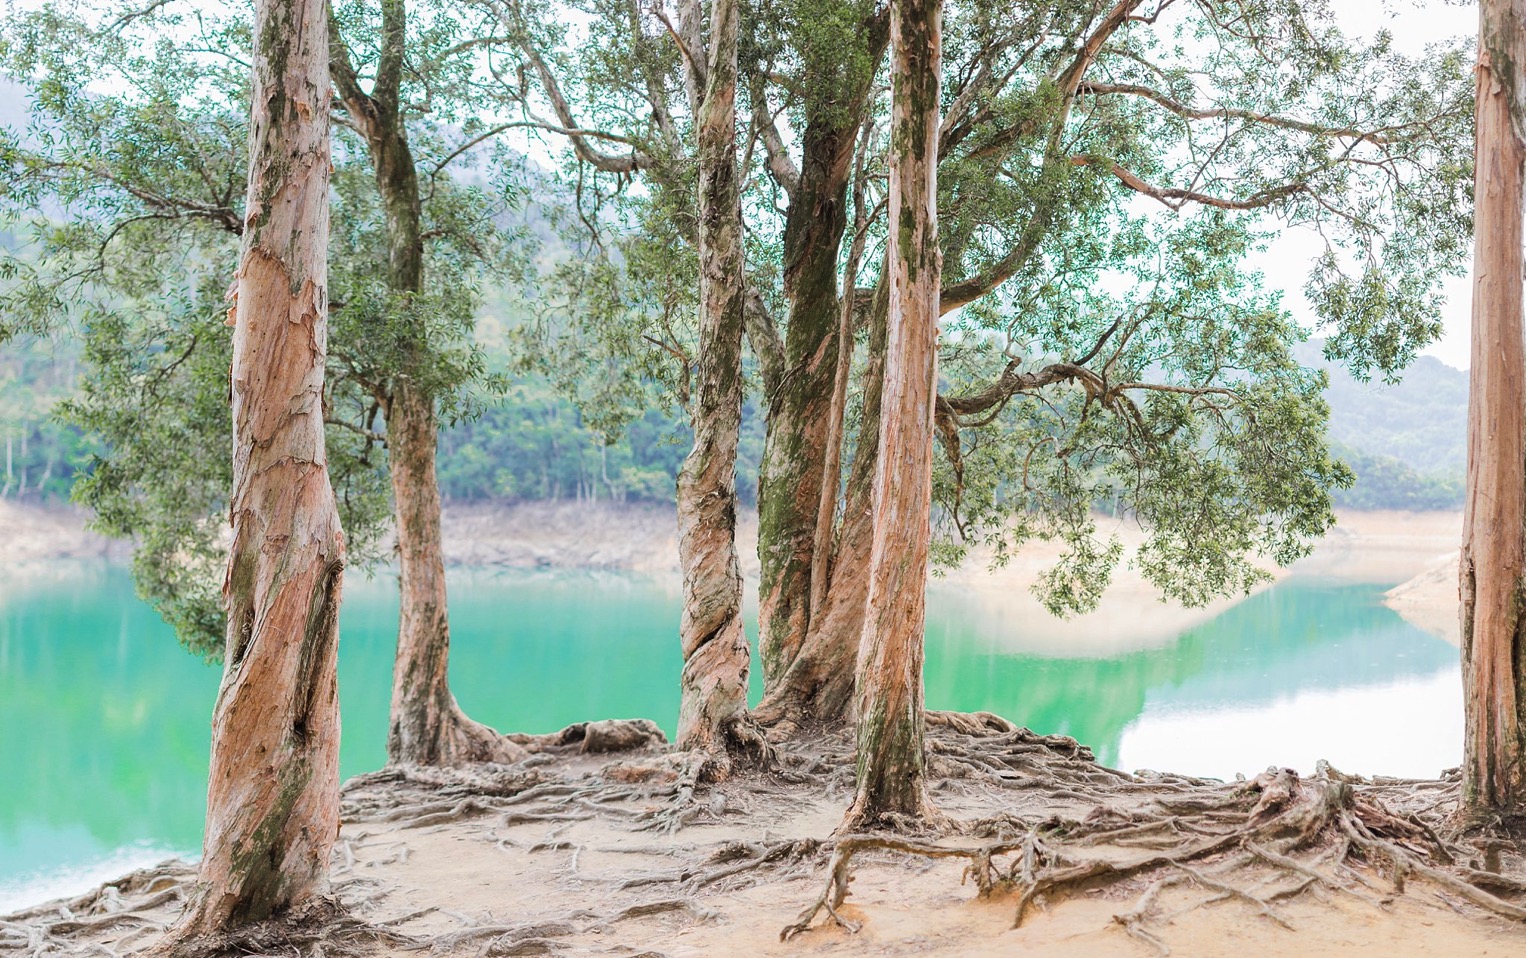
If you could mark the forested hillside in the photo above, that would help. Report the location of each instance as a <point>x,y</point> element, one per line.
<point>1406,441</point>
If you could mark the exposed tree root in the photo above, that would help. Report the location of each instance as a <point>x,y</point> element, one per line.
<point>1057,824</point>
<point>1257,842</point>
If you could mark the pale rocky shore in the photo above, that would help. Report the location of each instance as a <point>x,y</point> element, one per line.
<point>1413,551</point>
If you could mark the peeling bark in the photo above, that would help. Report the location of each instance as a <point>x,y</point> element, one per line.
<point>426,726</point>
<point>892,761</point>
<point>273,794</point>
<point>713,686</point>
<point>1494,528</point>
<point>817,688</point>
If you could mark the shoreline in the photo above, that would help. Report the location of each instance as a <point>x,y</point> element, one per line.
<point>1407,551</point>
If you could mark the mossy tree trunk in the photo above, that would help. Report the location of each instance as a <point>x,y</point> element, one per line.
<point>790,476</point>
<point>713,685</point>
<point>799,475</point>
<point>817,686</point>
<point>891,765</point>
<point>1493,561</point>
<point>273,794</point>
<point>802,414</point>
<point>426,727</point>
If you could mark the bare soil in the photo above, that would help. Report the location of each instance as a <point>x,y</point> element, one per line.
<point>575,854</point>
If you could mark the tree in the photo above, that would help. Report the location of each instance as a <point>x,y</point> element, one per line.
<point>1026,216</point>
<point>426,726</point>
<point>891,757</point>
<point>1104,337</point>
<point>1493,560</point>
<point>712,715</point>
<point>273,797</point>
<point>149,174</point>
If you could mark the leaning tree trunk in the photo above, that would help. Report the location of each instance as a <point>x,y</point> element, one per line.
<point>1494,527</point>
<point>712,714</point>
<point>273,796</point>
<point>426,726</point>
<point>891,768</point>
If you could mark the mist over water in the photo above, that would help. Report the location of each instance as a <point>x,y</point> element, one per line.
<point>107,717</point>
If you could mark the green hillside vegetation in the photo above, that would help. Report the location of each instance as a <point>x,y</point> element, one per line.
<point>1406,441</point>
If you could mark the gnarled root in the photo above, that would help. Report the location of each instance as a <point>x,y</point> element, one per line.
<point>1258,842</point>
<point>595,738</point>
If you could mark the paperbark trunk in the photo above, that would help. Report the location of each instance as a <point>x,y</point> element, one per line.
<point>891,766</point>
<point>713,685</point>
<point>798,478</point>
<point>817,688</point>
<point>1494,528</point>
<point>426,726</point>
<point>790,477</point>
<point>273,795</point>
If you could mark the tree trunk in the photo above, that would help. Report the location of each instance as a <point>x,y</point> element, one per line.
<point>817,687</point>
<point>891,767</point>
<point>426,726</point>
<point>273,796</point>
<point>1494,528</point>
<point>712,714</point>
<point>790,476</point>
<point>797,481</point>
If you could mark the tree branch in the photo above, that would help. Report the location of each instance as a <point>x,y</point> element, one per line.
<point>1181,109</point>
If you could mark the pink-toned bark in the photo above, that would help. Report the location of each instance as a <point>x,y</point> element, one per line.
<point>273,795</point>
<point>891,723</point>
<point>1493,562</point>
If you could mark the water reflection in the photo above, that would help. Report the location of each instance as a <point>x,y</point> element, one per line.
<point>105,717</point>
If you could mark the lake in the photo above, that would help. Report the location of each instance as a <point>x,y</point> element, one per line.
<point>105,716</point>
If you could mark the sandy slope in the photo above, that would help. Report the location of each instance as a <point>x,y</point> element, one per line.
<point>31,532</point>
<point>1381,547</point>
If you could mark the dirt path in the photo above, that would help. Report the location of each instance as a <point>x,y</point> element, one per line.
<point>570,854</point>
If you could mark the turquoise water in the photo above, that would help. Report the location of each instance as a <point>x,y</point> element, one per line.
<point>105,718</point>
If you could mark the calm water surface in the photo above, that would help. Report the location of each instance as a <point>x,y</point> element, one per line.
<point>103,754</point>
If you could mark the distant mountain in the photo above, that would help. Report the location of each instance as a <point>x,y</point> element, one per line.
<point>1406,442</point>
<point>1421,421</point>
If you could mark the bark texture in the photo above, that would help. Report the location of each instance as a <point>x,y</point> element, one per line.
<point>798,478</point>
<point>891,767</point>
<point>817,687</point>
<point>426,726</point>
<point>713,685</point>
<point>1494,528</point>
<point>273,795</point>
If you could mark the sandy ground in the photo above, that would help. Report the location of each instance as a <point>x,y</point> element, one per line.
<point>570,875</point>
<point>32,532</point>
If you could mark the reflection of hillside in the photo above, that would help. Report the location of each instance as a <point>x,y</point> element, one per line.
<point>1297,636</point>
<point>105,717</point>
